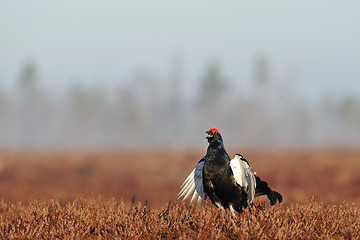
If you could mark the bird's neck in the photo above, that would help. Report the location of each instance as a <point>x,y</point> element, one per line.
<point>216,148</point>
<point>218,144</point>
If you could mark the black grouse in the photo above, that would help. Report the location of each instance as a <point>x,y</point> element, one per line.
<point>229,183</point>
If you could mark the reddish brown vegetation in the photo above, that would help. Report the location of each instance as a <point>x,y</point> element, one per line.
<point>75,180</point>
<point>90,218</point>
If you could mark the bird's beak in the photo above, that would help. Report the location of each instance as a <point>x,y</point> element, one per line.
<point>209,134</point>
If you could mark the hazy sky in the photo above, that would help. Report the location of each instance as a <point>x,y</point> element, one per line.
<point>90,41</point>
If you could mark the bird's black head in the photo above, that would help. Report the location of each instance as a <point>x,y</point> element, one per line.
<point>213,136</point>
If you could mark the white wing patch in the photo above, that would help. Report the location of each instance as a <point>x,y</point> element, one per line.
<point>193,185</point>
<point>244,176</point>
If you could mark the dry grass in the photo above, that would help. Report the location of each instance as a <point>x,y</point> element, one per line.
<point>56,195</point>
<point>92,218</point>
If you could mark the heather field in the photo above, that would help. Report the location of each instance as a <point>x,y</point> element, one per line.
<point>88,195</point>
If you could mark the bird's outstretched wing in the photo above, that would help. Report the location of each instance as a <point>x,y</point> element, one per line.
<point>244,176</point>
<point>194,185</point>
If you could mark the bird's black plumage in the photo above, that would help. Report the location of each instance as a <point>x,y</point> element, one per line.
<point>229,183</point>
<point>218,178</point>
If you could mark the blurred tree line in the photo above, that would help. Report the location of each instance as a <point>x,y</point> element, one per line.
<point>152,110</point>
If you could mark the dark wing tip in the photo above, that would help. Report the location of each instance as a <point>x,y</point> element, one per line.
<point>275,196</point>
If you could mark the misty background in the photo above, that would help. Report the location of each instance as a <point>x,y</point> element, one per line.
<point>130,75</point>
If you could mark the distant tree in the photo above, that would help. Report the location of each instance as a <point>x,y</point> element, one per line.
<point>349,110</point>
<point>28,75</point>
<point>211,94</point>
<point>3,98</point>
<point>175,105</point>
<point>28,83</point>
<point>128,111</point>
<point>261,75</point>
<point>213,85</point>
<point>30,106</point>
<point>175,87</point>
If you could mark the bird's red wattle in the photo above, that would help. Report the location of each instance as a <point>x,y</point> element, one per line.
<point>213,130</point>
